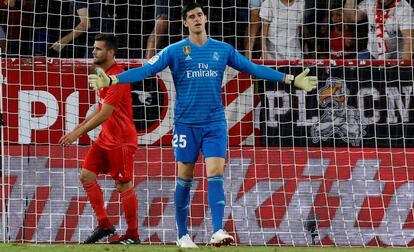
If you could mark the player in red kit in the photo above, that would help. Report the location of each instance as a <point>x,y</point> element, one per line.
<point>113,151</point>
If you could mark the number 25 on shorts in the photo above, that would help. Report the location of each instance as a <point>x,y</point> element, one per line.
<point>179,141</point>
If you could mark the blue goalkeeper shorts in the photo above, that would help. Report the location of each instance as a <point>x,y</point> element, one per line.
<point>188,141</point>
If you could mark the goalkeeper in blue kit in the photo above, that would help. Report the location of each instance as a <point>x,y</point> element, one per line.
<point>197,65</point>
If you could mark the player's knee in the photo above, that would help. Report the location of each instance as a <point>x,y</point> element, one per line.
<point>215,166</point>
<point>215,171</point>
<point>122,186</point>
<point>87,176</point>
<point>185,170</point>
<point>83,178</point>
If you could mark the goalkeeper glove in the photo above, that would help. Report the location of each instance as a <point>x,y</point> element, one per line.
<point>101,79</point>
<point>307,83</point>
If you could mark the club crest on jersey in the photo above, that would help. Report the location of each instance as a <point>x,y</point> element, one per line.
<point>153,59</point>
<point>187,51</point>
<point>216,56</point>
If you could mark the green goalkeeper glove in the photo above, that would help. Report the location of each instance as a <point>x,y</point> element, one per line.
<point>101,79</point>
<point>307,83</point>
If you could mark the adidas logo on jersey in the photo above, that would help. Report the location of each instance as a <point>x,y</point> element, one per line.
<point>188,57</point>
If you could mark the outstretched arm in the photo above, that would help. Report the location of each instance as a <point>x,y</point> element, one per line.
<point>242,64</point>
<point>302,81</point>
<point>156,64</point>
<point>100,79</point>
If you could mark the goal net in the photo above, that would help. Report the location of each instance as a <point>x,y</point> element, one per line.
<point>331,167</point>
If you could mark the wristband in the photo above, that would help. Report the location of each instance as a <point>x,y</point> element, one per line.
<point>289,78</point>
<point>112,80</point>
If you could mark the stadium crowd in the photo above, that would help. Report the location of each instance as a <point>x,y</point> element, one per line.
<point>269,29</point>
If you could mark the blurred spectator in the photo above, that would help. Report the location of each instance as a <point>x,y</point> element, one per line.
<point>133,21</point>
<point>226,20</point>
<point>315,33</point>
<point>91,19</point>
<point>282,22</point>
<point>254,27</point>
<point>223,17</point>
<point>2,40</point>
<point>17,15</point>
<point>40,28</point>
<point>10,3</point>
<point>81,10</point>
<point>390,27</point>
<point>167,24</point>
<point>3,23</point>
<point>342,39</point>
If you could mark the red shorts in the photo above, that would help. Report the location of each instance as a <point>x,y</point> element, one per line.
<point>119,163</point>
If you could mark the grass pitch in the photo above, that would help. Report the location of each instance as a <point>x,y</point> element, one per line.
<point>172,248</point>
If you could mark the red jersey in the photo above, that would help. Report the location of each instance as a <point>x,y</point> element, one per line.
<point>119,129</point>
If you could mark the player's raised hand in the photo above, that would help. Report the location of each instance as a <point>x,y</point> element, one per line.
<point>57,46</point>
<point>100,79</point>
<point>307,83</point>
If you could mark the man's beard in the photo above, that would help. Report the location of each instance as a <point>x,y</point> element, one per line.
<point>98,61</point>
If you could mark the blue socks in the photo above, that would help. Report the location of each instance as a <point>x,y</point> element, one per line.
<point>216,201</point>
<point>182,204</point>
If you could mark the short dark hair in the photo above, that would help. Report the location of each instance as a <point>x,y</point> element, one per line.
<point>190,7</point>
<point>111,42</point>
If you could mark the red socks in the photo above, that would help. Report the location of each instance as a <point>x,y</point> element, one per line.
<point>95,196</point>
<point>130,206</point>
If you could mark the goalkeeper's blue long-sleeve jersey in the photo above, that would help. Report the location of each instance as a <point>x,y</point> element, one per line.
<point>197,73</point>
